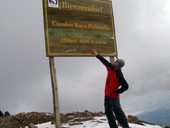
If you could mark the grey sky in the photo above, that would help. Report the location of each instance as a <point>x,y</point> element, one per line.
<point>142,29</point>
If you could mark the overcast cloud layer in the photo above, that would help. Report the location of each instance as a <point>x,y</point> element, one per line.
<point>142,30</point>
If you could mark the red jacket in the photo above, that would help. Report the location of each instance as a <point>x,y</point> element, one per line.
<point>112,84</point>
<point>115,82</point>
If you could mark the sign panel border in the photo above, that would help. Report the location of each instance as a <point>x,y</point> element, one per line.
<point>46,32</point>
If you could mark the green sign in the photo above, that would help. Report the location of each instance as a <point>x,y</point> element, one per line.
<point>75,27</point>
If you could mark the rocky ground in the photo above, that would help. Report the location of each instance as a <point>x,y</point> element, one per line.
<point>29,119</point>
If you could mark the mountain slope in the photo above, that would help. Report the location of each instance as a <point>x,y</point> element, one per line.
<point>97,122</point>
<point>160,116</point>
<point>84,119</point>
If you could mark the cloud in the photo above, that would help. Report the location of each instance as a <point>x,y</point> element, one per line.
<point>142,29</point>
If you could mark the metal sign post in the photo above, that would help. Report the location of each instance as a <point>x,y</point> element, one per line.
<point>55,92</point>
<point>111,58</point>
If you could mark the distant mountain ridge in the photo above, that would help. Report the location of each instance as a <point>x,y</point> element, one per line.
<point>160,116</point>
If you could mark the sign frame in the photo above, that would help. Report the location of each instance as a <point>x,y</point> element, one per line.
<point>104,48</point>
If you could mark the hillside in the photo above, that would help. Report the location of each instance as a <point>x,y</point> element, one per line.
<point>97,122</point>
<point>71,120</point>
<point>160,116</point>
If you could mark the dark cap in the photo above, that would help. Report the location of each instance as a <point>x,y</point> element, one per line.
<point>121,62</point>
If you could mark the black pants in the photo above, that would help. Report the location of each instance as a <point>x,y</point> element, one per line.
<point>113,105</point>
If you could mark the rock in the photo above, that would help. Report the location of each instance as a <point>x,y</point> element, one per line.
<point>167,127</point>
<point>33,117</point>
<point>1,114</point>
<point>76,123</point>
<point>31,125</point>
<point>7,113</point>
<point>9,123</point>
<point>134,119</point>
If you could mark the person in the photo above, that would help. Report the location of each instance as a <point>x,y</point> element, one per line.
<point>115,85</point>
<point>1,114</point>
<point>7,113</point>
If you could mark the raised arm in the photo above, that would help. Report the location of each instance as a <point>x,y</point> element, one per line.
<point>102,59</point>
